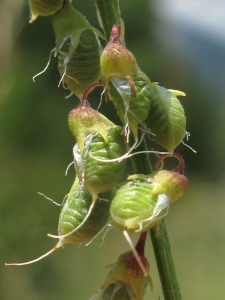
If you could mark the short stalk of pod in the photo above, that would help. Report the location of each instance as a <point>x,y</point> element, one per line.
<point>44,7</point>
<point>166,118</point>
<point>99,176</point>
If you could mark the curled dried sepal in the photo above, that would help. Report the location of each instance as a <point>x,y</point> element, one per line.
<point>127,276</point>
<point>44,7</point>
<point>83,120</point>
<point>96,176</point>
<point>131,110</point>
<point>166,118</point>
<point>117,61</point>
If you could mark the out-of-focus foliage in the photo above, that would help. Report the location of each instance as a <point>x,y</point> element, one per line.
<point>36,147</point>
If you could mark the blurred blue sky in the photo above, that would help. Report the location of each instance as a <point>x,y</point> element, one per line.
<point>195,31</point>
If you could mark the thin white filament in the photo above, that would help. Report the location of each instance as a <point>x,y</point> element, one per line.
<point>121,158</point>
<point>189,147</point>
<point>70,95</point>
<point>103,228</point>
<point>128,239</point>
<point>187,135</point>
<point>61,79</point>
<point>54,202</point>
<point>67,169</point>
<point>49,59</point>
<point>101,99</point>
<point>129,155</point>
<point>161,205</point>
<point>107,228</point>
<point>37,259</point>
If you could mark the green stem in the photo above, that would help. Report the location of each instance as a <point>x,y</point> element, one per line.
<point>166,268</point>
<point>110,14</point>
<point>109,11</point>
<point>159,237</point>
<point>141,163</point>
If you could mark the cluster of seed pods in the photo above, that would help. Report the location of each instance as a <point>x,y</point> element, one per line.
<point>99,192</point>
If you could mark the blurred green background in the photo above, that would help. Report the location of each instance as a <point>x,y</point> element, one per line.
<point>36,148</point>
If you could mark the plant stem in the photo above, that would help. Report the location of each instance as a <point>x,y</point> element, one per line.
<point>166,268</point>
<point>110,14</point>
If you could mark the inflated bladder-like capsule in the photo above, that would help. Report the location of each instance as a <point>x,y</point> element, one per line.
<point>99,176</point>
<point>83,120</point>
<point>166,117</point>
<point>117,61</point>
<point>144,200</point>
<point>75,210</point>
<point>78,49</point>
<point>131,110</point>
<point>134,207</point>
<point>71,228</point>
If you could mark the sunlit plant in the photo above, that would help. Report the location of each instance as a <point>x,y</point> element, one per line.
<point>101,195</point>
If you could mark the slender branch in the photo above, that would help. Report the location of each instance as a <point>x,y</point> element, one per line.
<point>110,14</point>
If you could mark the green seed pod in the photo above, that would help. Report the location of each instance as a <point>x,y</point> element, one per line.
<point>99,176</point>
<point>134,207</point>
<point>44,7</point>
<point>71,228</point>
<point>78,48</point>
<point>80,68</point>
<point>166,118</point>
<point>74,212</point>
<point>83,120</point>
<point>117,61</point>
<point>131,110</point>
